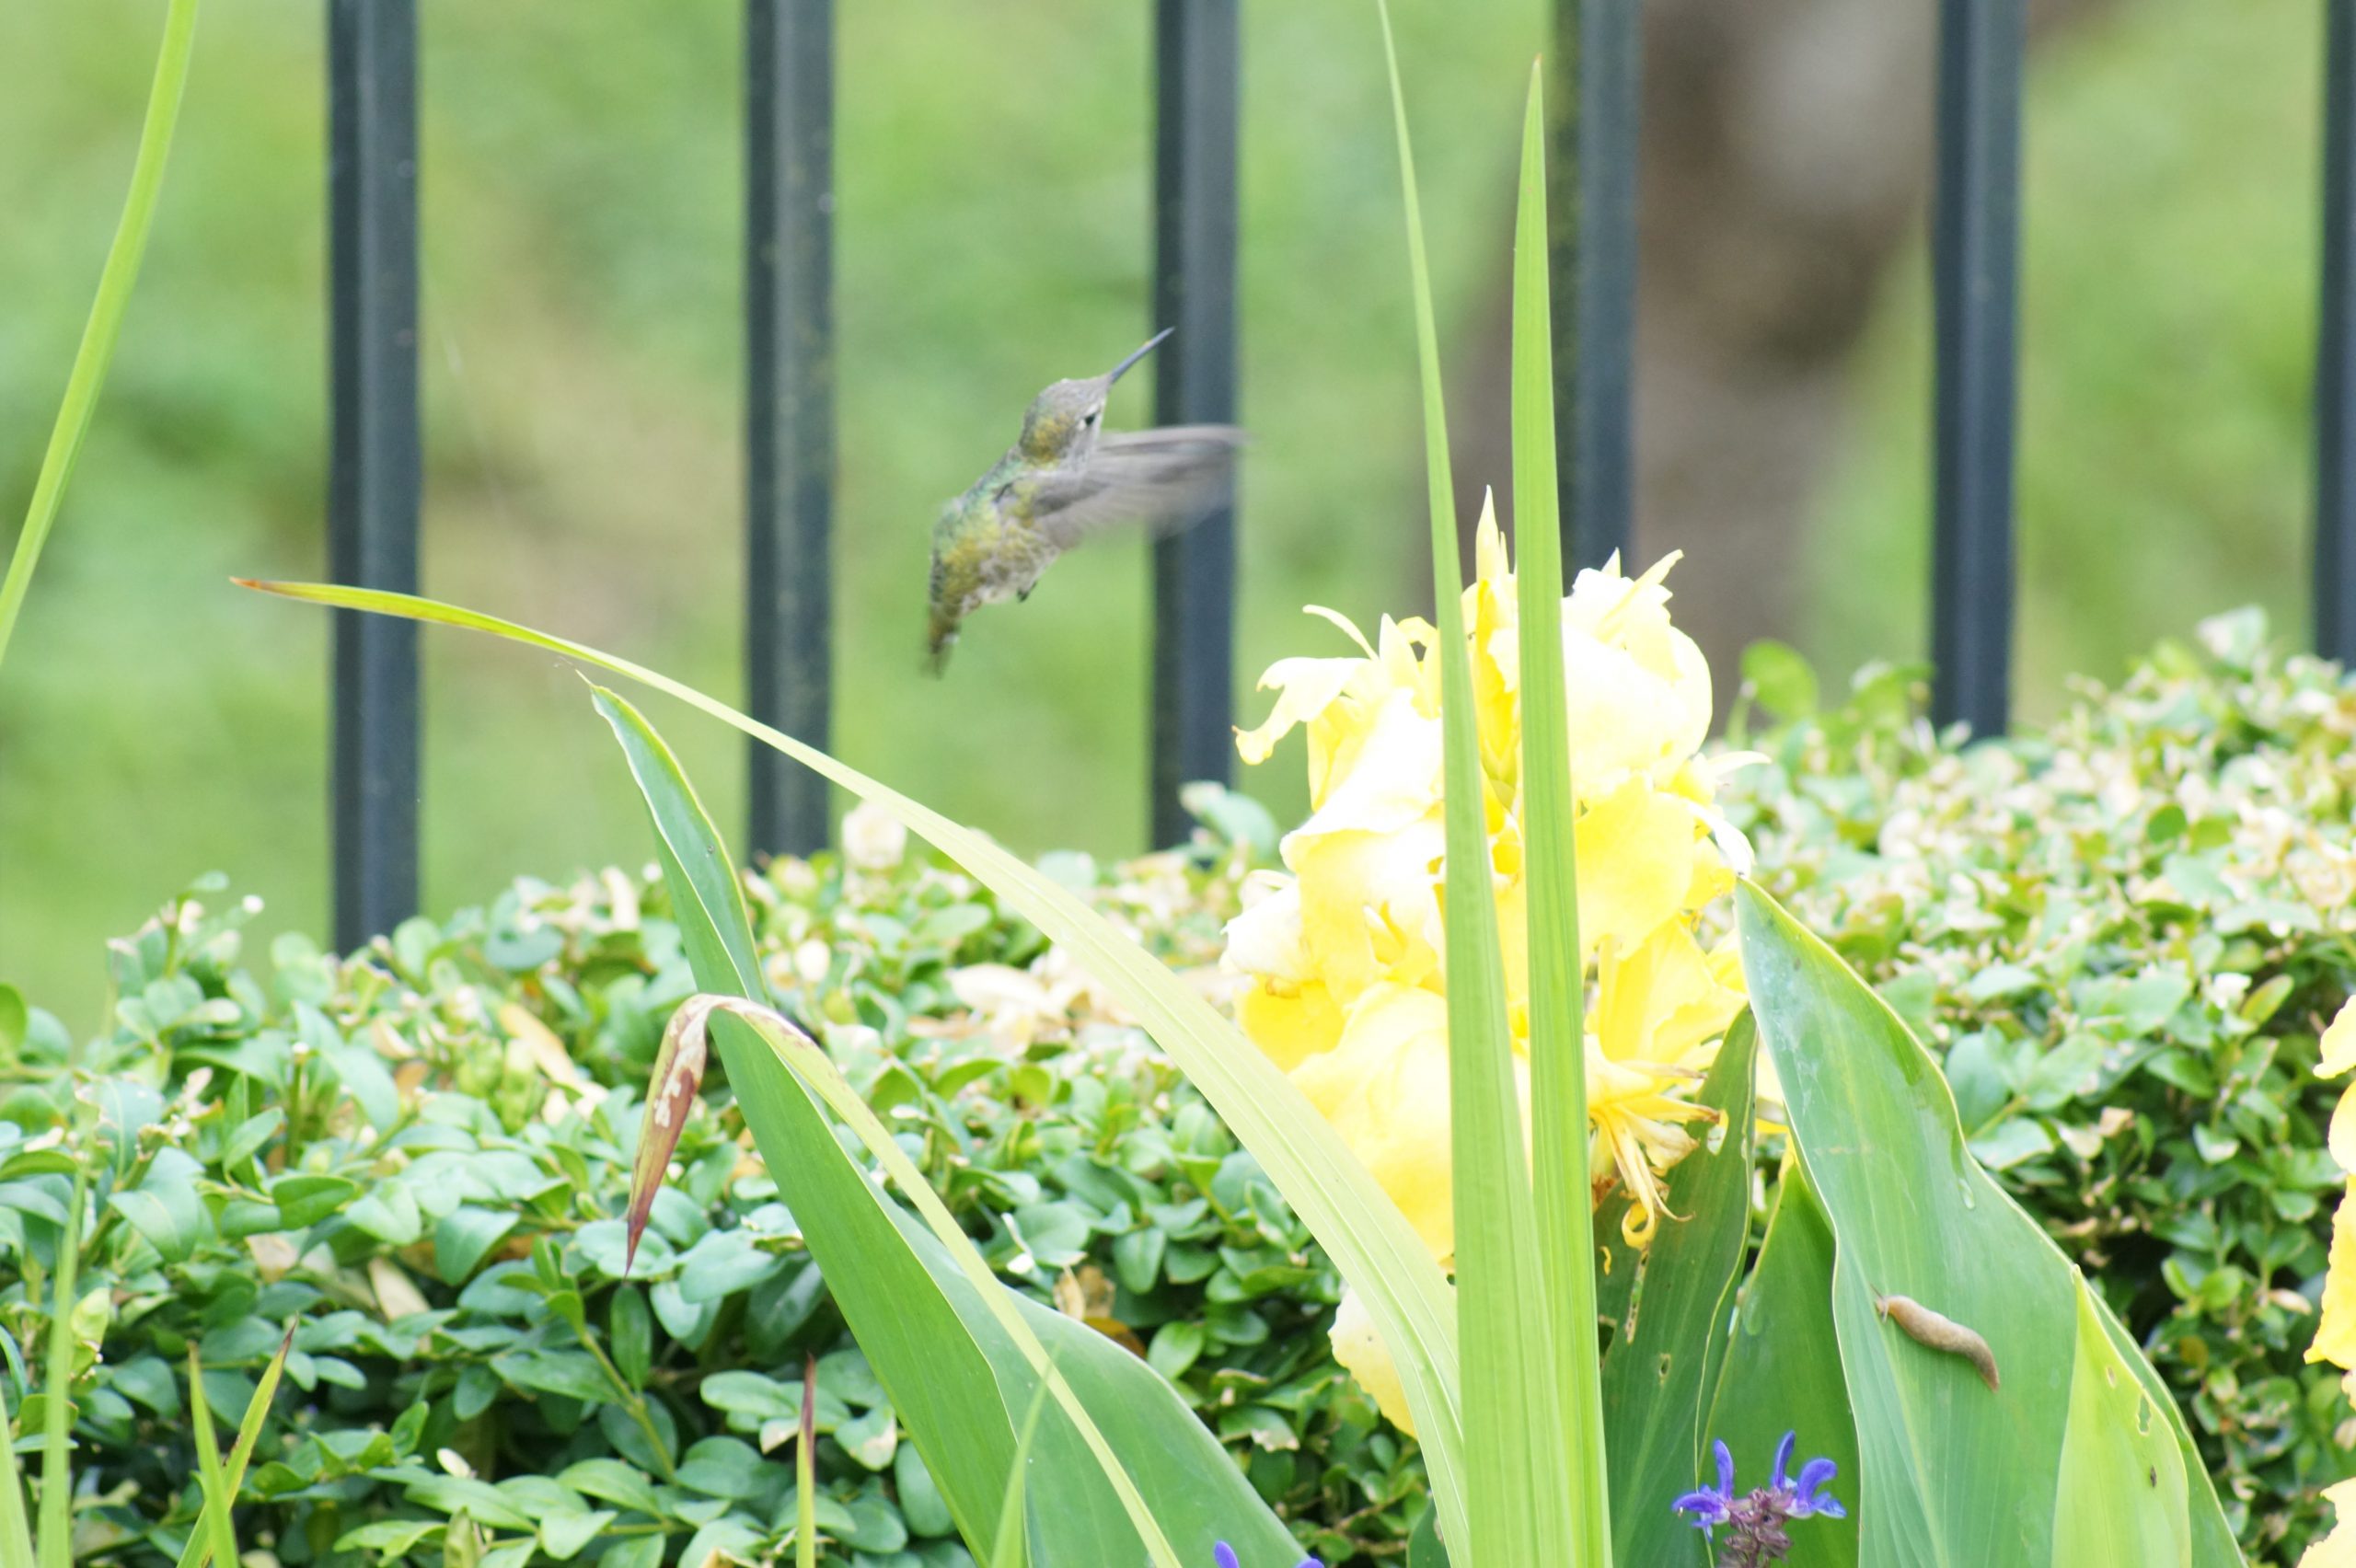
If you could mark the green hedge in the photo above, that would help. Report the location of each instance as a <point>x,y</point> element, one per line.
<point>2123,933</point>
<point>400,1151</point>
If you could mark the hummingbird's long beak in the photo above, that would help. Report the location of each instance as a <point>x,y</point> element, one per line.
<point>1151,343</point>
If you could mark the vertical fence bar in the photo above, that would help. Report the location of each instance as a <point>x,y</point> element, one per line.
<point>1975,279</point>
<point>1197,67</point>
<point>1595,105</point>
<point>374,468</point>
<point>2335,542</point>
<point>790,406</point>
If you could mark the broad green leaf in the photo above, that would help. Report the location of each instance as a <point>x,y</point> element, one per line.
<point>2212,1538</point>
<point>945,1338</point>
<point>1913,1214</point>
<point>1558,1114</point>
<point>1783,1368</point>
<point>1516,1446</point>
<point>1010,1550</point>
<point>2121,1496</point>
<point>1657,1374</point>
<point>90,361</point>
<point>1365,1235</point>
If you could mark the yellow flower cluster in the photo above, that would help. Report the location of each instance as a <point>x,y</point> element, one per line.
<point>2335,1338</point>
<point>1342,958</point>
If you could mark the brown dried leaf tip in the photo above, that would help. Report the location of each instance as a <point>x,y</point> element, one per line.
<point>670,1095</point>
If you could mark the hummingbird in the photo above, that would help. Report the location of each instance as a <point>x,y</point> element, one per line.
<point>1061,481</point>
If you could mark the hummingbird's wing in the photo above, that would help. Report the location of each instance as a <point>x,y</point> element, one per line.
<point>1160,478</point>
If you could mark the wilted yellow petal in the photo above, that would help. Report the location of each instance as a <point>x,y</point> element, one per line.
<point>1635,862</point>
<point>2336,1335</point>
<point>1361,1352</point>
<point>2339,1042</point>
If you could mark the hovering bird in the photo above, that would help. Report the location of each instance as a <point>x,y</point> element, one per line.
<point>1060,482</point>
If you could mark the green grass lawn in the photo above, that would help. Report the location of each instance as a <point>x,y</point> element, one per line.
<point>580,195</point>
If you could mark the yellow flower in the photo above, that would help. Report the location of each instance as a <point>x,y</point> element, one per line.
<point>1343,957</point>
<point>2337,1549</point>
<point>1361,1352</point>
<point>1657,1010</point>
<point>2335,1338</point>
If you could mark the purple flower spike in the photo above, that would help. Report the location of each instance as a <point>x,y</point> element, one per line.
<point>1759,1536</point>
<point>1224,1556</point>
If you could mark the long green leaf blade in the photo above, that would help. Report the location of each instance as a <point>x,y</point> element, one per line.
<point>1557,989</point>
<point>937,1329</point>
<point>802,1055</point>
<point>115,281</point>
<point>1783,1367</point>
<point>217,1526</point>
<point>1517,1440</point>
<point>1369,1240</point>
<point>199,1549</point>
<point>53,1543</point>
<point>16,1530</point>
<point>1655,1378</point>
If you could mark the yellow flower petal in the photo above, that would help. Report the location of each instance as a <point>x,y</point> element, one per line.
<point>2336,1335</point>
<point>1635,863</point>
<point>2337,1549</point>
<point>1361,1352</point>
<point>2343,1132</point>
<point>1290,1026</point>
<point>2339,1042</point>
<point>1305,688</point>
<point>1384,1089</point>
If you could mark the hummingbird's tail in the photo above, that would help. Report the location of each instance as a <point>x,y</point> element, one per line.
<point>936,651</point>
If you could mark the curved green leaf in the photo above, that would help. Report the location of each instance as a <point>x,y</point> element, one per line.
<point>2120,1498</point>
<point>1367,1236</point>
<point>1782,1365</point>
<point>956,1361</point>
<point>1955,1472</point>
<point>1656,1376</point>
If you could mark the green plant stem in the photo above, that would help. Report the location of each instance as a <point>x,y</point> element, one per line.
<point>635,1400</point>
<point>115,281</point>
<point>56,1438</point>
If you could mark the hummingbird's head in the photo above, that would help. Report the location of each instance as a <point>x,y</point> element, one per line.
<point>1063,422</point>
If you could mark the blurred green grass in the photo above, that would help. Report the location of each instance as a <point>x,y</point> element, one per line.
<point>581,194</point>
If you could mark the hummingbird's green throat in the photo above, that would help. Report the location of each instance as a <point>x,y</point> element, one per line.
<point>1062,480</point>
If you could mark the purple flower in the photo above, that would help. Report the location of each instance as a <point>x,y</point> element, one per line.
<point>1224,1555</point>
<point>1711,1504</point>
<point>1759,1521</point>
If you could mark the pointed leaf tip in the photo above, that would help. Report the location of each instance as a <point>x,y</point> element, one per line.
<point>670,1095</point>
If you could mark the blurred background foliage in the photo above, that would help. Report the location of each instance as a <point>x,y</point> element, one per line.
<point>580,198</point>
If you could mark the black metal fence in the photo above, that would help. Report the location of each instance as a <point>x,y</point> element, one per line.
<point>790,369</point>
